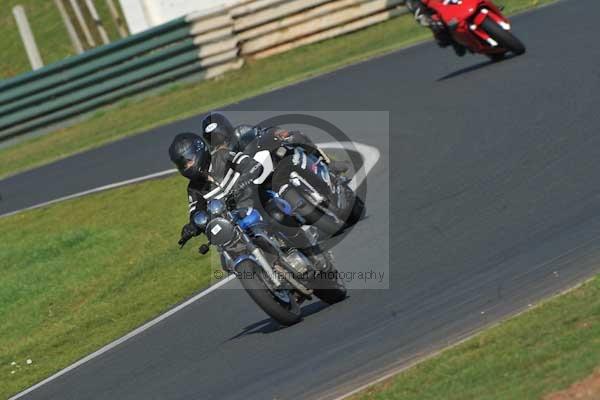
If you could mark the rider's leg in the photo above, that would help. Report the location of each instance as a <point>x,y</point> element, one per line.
<point>444,38</point>
<point>440,31</point>
<point>281,175</point>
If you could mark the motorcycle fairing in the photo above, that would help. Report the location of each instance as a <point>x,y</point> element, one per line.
<point>464,20</point>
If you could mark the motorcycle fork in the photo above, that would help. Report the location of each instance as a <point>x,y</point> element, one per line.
<point>478,20</point>
<point>284,269</point>
<point>261,260</point>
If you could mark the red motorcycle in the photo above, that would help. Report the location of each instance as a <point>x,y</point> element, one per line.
<point>478,25</point>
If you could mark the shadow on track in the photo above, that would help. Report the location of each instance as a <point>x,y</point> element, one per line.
<point>466,70</point>
<point>267,325</point>
<point>474,67</point>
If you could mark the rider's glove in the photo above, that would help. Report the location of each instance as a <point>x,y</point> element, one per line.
<point>238,192</point>
<point>188,231</point>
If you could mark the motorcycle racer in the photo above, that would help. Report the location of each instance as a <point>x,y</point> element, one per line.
<point>218,131</point>
<point>218,175</point>
<point>223,175</point>
<point>220,134</point>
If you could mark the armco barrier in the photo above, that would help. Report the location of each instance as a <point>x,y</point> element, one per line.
<point>198,45</point>
<point>332,32</point>
<point>203,45</point>
<point>354,10</point>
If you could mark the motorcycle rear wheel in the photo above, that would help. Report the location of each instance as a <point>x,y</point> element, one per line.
<point>357,212</point>
<point>504,38</point>
<point>251,278</point>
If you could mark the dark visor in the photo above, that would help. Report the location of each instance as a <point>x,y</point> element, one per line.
<point>188,155</point>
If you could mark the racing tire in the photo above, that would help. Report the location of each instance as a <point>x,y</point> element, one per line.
<point>251,278</point>
<point>357,212</point>
<point>504,38</point>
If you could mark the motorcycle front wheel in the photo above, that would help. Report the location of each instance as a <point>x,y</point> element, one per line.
<point>280,306</point>
<point>358,210</point>
<point>504,38</point>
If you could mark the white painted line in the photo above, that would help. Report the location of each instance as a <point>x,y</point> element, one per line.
<point>95,190</point>
<point>370,156</point>
<point>126,337</point>
<point>461,339</point>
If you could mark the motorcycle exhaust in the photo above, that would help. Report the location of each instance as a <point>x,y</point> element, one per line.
<point>297,285</point>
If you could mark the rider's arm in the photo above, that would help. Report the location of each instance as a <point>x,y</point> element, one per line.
<point>248,168</point>
<point>195,203</point>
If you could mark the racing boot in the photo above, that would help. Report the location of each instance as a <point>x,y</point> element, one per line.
<point>440,33</point>
<point>459,49</point>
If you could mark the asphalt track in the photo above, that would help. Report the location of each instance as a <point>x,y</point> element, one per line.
<point>494,203</point>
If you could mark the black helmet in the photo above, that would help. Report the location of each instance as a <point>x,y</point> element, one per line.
<point>190,153</point>
<point>244,135</point>
<point>217,130</point>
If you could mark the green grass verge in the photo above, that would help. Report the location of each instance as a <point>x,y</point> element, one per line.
<point>79,274</point>
<point>48,30</point>
<point>536,353</point>
<point>132,116</point>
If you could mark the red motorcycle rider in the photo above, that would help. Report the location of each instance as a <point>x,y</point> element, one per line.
<point>474,25</point>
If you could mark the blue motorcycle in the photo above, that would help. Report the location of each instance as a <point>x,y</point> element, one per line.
<point>277,262</point>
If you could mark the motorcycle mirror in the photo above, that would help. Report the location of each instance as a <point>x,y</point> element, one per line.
<point>216,207</point>
<point>203,249</point>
